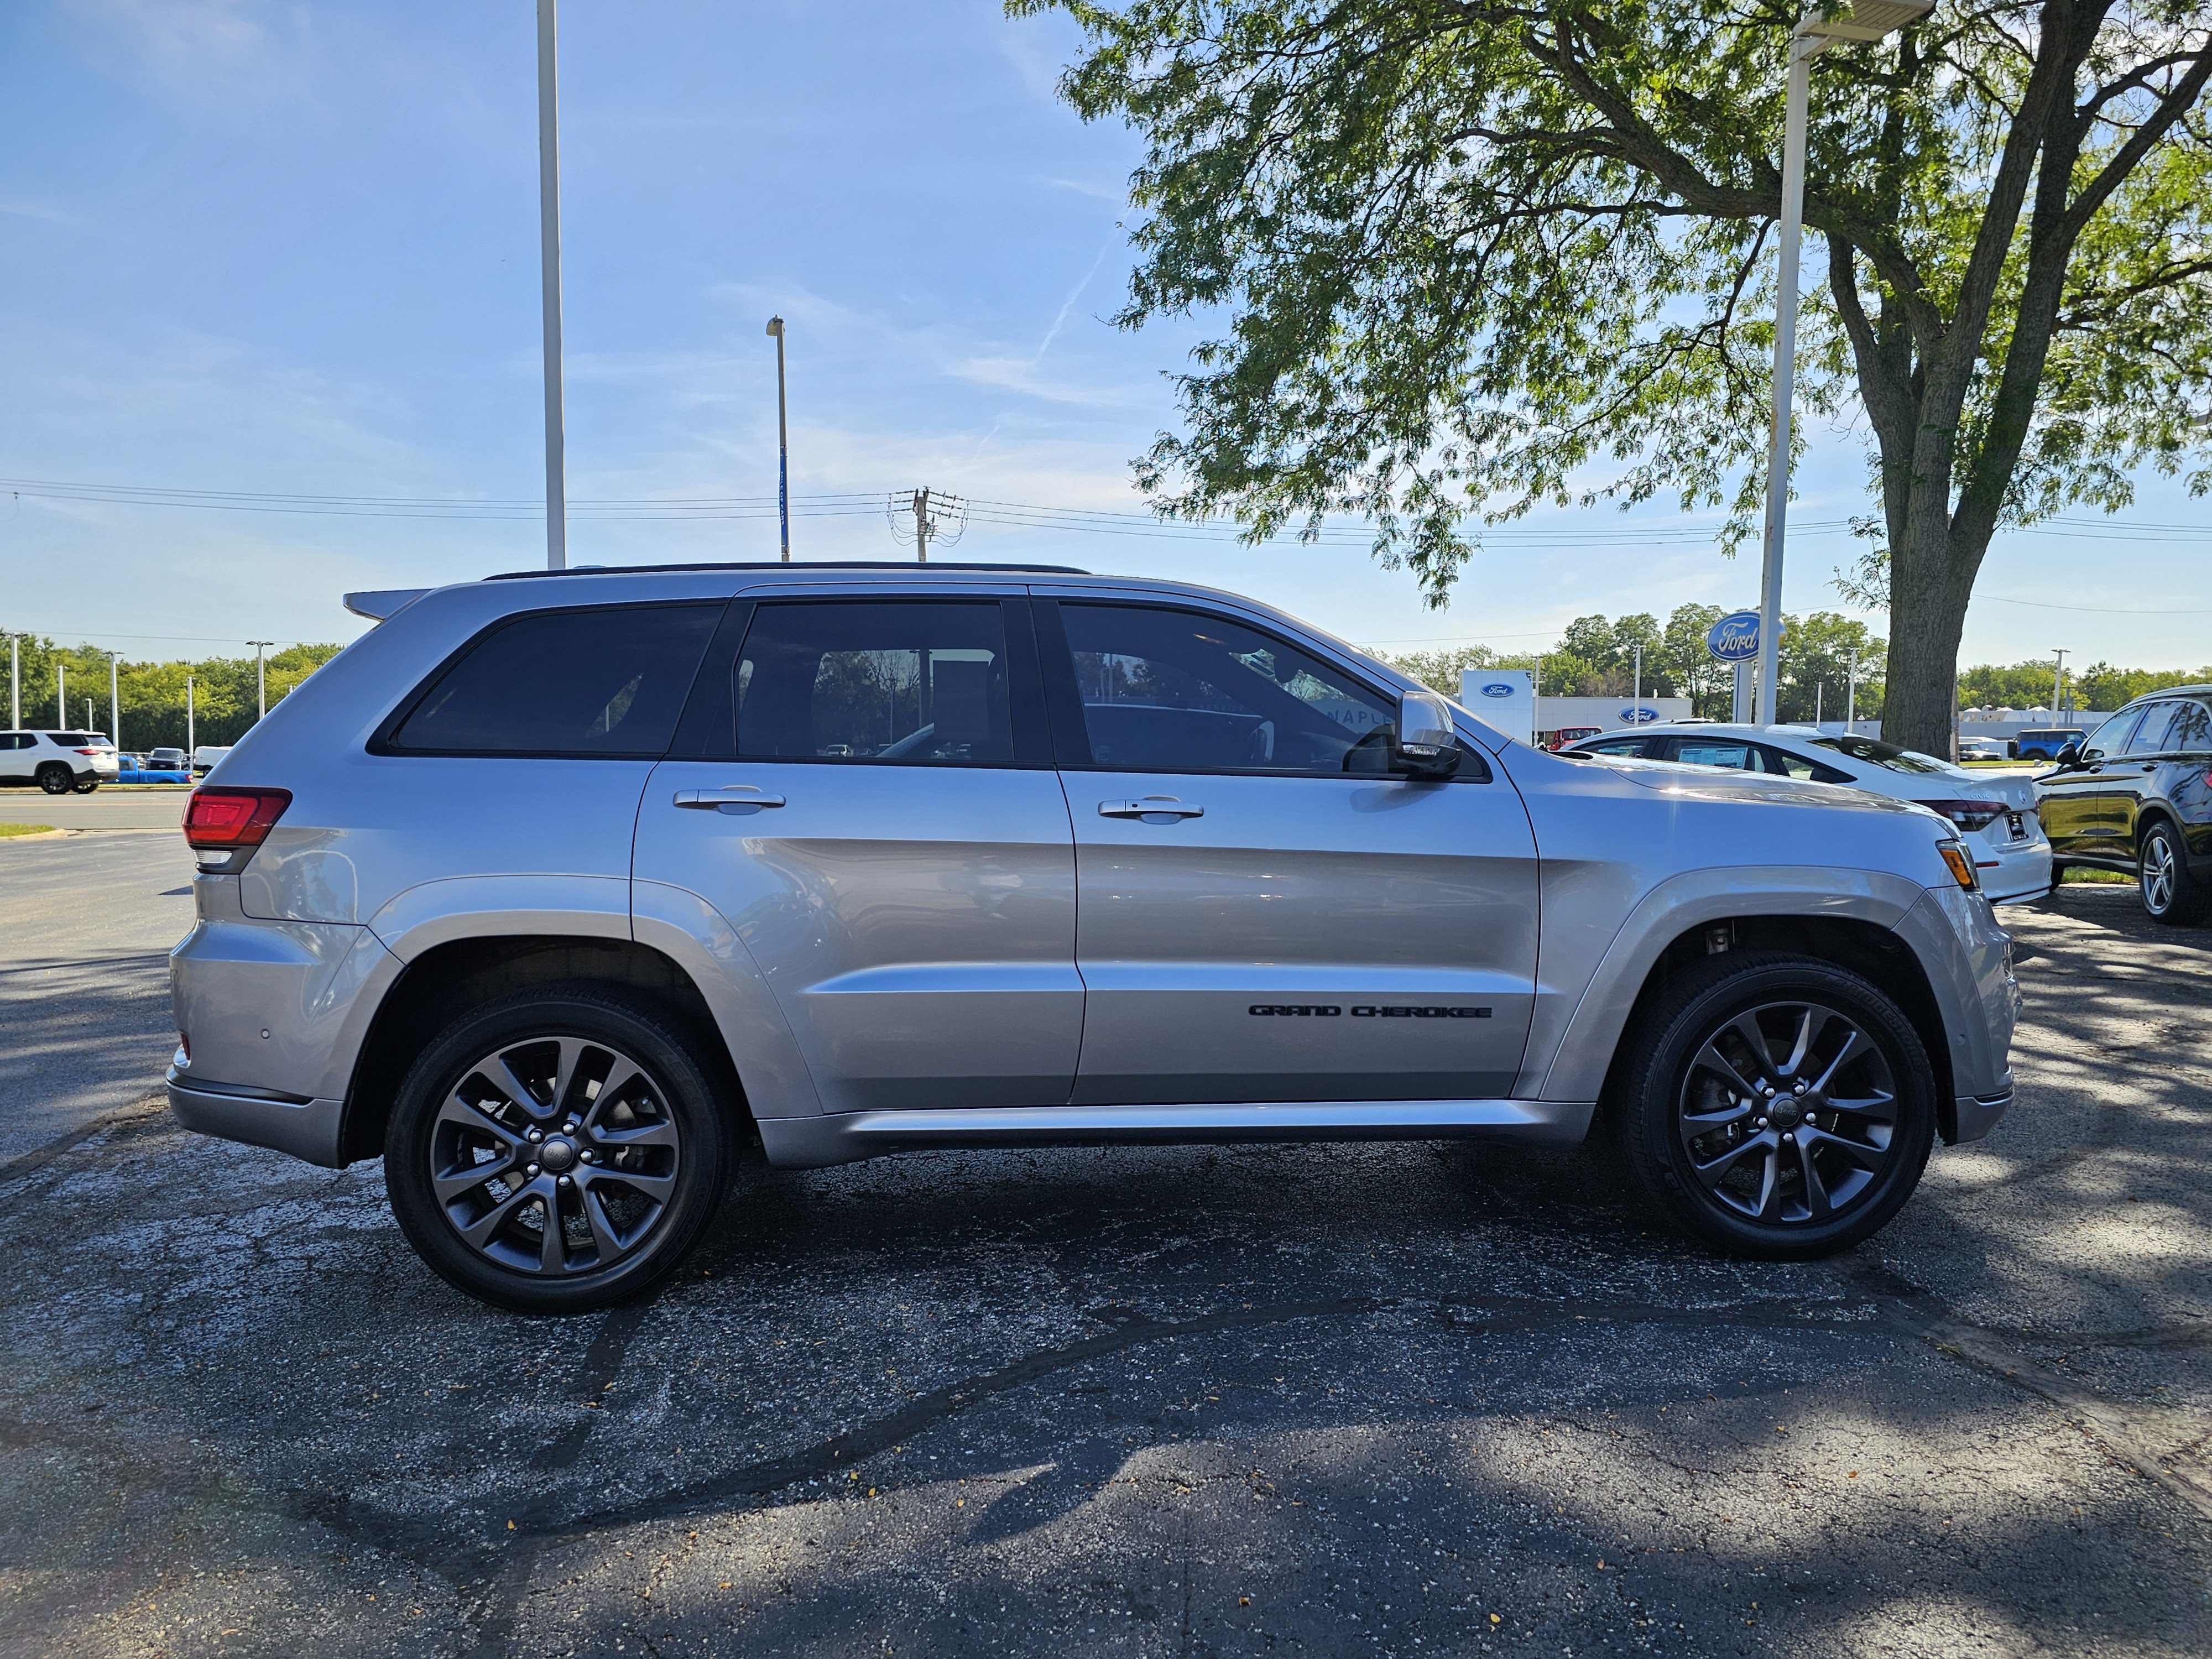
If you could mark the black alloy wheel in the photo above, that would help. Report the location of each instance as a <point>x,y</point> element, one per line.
<point>1778,1107</point>
<point>55,779</point>
<point>557,1151</point>
<point>2170,893</point>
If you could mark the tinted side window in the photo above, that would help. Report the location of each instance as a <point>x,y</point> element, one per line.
<point>2108,739</point>
<point>1633,746</point>
<point>2151,737</point>
<point>918,681</point>
<point>1782,764</point>
<point>2191,732</point>
<point>607,681</point>
<point>1169,690</point>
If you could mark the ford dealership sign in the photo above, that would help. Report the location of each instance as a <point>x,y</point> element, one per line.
<point>1498,688</point>
<point>1734,638</point>
<point>1639,716</point>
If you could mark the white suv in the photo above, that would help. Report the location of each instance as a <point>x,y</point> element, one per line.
<point>58,761</point>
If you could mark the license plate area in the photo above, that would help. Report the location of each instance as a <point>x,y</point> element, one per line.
<point>2017,825</point>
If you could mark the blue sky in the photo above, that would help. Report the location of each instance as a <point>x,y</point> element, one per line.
<point>292,249</point>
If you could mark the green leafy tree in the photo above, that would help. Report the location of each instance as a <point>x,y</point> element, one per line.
<point>1688,665</point>
<point>1471,256</point>
<point>2016,685</point>
<point>2103,686</point>
<point>153,694</point>
<point>1814,674</point>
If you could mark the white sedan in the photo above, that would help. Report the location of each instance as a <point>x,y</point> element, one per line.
<point>1995,811</point>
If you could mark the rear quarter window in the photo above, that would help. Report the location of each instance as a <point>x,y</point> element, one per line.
<point>605,681</point>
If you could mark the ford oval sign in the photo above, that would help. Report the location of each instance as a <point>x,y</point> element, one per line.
<point>1498,688</point>
<point>1639,716</point>
<point>1734,638</point>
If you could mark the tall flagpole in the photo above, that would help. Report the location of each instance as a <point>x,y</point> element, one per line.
<point>549,237</point>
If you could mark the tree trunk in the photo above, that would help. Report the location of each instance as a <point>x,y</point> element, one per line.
<point>1930,582</point>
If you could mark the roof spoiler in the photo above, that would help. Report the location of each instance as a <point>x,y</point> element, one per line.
<point>380,603</point>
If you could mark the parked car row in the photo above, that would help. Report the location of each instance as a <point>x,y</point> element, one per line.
<point>2133,797</point>
<point>1994,812</point>
<point>62,762</point>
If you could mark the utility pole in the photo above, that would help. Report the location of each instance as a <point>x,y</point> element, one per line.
<point>548,254</point>
<point>782,443</point>
<point>1820,29</point>
<point>261,674</point>
<point>921,527</point>
<point>189,734</point>
<point>114,704</point>
<point>2058,677</point>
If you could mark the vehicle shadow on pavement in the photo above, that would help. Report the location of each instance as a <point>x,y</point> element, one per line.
<point>1399,1397</point>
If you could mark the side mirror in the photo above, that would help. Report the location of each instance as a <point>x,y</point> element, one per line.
<point>2070,756</point>
<point>1426,745</point>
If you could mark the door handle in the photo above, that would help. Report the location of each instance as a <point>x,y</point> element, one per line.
<point>1152,809</point>
<point>740,798</point>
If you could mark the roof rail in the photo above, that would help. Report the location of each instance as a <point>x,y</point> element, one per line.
<point>778,564</point>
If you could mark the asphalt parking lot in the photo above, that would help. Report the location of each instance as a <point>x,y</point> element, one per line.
<point>1415,1399</point>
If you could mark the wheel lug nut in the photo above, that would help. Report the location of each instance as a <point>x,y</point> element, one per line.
<point>587,1155</point>
<point>536,1135</point>
<point>531,1169</point>
<point>1786,1135</point>
<point>1761,1123</point>
<point>564,1181</point>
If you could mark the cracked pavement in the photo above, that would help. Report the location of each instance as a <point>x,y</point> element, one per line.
<point>1388,1399</point>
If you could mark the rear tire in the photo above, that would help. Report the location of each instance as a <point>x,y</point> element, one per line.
<point>1801,1147</point>
<point>55,779</point>
<point>574,1107</point>
<point>85,786</point>
<point>2170,894</point>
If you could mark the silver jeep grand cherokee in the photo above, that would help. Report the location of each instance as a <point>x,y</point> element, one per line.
<point>554,890</point>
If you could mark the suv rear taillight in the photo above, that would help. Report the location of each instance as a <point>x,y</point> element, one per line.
<point>1969,814</point>
<point>232,820</point>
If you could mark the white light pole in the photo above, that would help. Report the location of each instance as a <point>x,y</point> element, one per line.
<point>61,693</point>
<point>549,253</point>
<point>1636,686</point>
<point>782,443</point>
<point>2058,677</point>
<point>189,734</point>
<point>114,704</point>
<point>1818,30</point>
<point>1851,696</point>
<point>15,682</point>
<point>261,676</point>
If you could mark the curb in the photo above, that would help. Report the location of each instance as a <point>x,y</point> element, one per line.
<point>43,835</point>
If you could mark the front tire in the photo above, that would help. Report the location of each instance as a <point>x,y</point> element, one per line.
<point>1779,1107</point>
<point>2170,893</point>
<point>557,1151</point>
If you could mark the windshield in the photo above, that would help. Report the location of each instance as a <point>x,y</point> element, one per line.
<point>1877,753</point>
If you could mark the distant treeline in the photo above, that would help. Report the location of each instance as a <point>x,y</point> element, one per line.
<point>1596,658</point>
<point>152,694</point>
